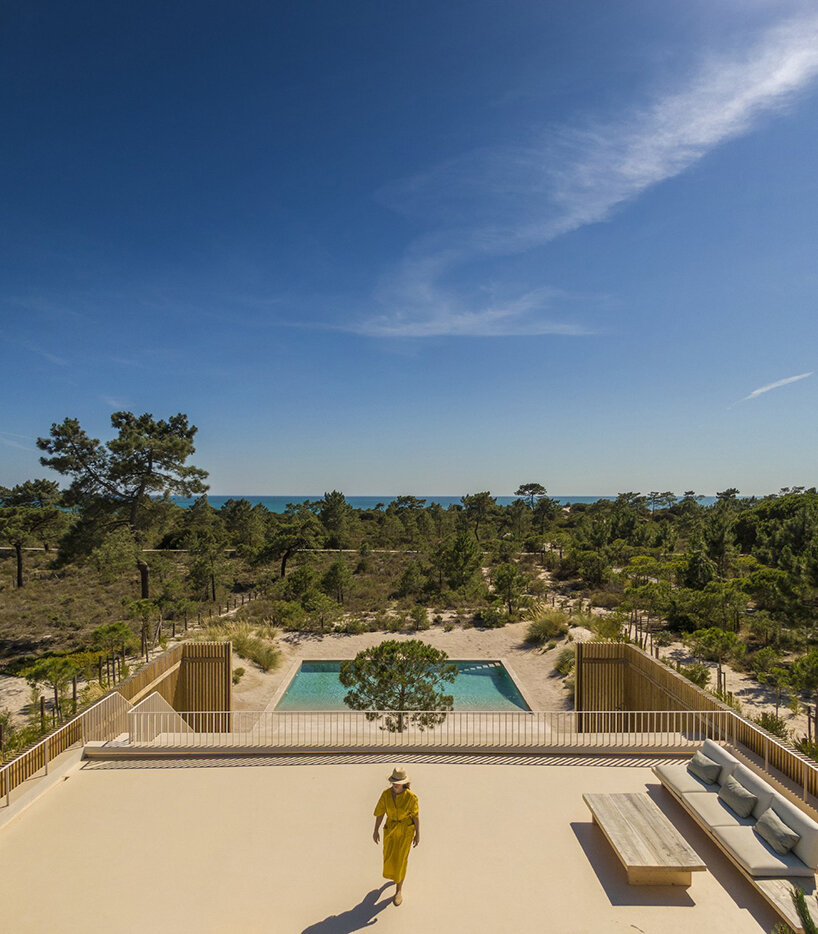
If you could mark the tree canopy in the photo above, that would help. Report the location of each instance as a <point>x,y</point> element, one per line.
<point>146,457</point>
<point>113,483</point>
<point>30,512</point>
<point>400,676</point>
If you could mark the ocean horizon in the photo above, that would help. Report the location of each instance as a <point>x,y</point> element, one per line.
<point>280,503</point>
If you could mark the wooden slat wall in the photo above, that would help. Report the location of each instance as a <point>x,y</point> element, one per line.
<point>603,667</point>
<point>192,676</point>
<point>137,683</point>
<point>205,678</point>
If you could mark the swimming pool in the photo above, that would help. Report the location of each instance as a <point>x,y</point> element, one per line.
<point>479,685</point>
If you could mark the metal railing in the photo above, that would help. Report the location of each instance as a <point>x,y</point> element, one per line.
<point>552,730</point>
<point>103,721</point>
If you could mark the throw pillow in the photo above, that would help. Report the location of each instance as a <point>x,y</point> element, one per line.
<point>737,798</point>
<point>704,768</point>
<point>771,828</point>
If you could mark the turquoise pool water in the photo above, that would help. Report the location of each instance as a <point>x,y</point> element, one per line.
<point>480,685</point>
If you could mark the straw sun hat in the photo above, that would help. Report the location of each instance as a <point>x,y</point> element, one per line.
<point>399,776</point>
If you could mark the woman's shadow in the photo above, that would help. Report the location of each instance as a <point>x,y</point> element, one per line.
<point>356,919</point>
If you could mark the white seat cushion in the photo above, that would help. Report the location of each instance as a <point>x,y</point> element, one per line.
<point>678,779</point>
<point>713,812</point>
<point>757,856</point>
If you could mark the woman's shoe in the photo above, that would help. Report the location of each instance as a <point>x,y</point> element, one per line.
<point>398,899</point>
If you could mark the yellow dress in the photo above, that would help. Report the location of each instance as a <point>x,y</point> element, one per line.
<point>399,831</point>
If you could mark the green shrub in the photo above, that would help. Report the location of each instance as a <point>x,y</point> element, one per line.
<point>564,664</point>
<point>288,614</point>
<point>772,724</point>
<point>265,655</point>
<point>420,617</point>
<point>607,628</point>
<point>537,587</point>
<point>551,645</point>
<point>697,673</point>
<point>352,627</point>
<point>546,623</point>
<point>448,626</point>
<point>381,620</point>
<point>491,617</point>
<point>238,674</point>
<point>606,599</point>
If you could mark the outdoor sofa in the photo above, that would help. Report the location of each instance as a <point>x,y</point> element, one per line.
<point>771,840</point>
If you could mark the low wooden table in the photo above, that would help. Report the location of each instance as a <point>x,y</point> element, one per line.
<point>647,844</point>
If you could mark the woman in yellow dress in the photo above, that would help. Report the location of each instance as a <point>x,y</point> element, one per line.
<point>402,830</point>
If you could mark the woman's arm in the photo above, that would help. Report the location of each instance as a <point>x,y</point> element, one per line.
<point>417,831</point>
<point>375,835</point>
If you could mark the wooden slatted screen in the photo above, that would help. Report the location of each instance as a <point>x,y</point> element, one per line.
<point>620,676</point>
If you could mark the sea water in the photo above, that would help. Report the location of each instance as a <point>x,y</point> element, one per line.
<point>280,503</point>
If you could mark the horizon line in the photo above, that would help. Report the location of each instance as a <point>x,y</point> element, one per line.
<point>447,495</point>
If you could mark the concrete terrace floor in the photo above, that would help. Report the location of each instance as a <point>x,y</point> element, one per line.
<point>284,845</point>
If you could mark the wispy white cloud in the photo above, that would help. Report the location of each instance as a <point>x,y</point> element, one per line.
<point>776,385</point>
<point>45,354</point>
<point>504,201</point>
<point>114,403</point>
<point>46,307</point>
<point>448,316</point>
<point>8,438</point>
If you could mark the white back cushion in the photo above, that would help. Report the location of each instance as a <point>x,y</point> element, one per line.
<point>719,754</point>
<point>807,847</point>
<point>752,782</point>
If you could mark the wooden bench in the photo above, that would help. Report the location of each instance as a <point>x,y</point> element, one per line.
<point>644,840</point>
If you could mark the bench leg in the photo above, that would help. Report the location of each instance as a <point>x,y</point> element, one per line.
<point>659,877</point>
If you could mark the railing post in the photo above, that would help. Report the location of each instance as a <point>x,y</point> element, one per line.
<point>766,753</point>
<point>45,754</point>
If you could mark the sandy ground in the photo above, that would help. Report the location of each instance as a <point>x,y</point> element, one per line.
<point>285,847</point>
<point>753,696</point>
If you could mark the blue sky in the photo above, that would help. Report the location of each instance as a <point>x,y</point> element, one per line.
<point>417,247</point>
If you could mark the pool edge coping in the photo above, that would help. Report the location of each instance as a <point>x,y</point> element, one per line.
<point>296,665</point>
